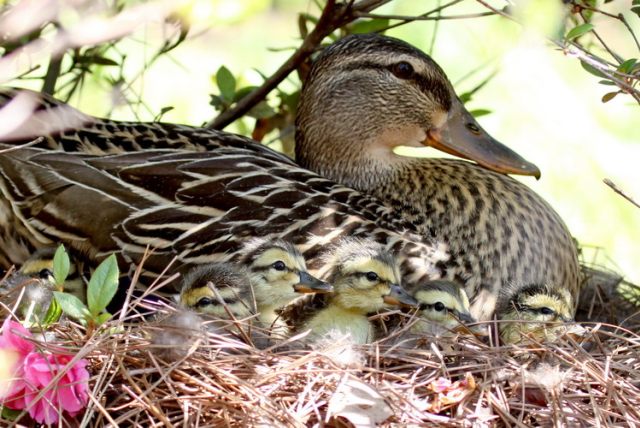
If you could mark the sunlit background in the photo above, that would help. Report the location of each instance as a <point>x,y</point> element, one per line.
<point>542,103</point>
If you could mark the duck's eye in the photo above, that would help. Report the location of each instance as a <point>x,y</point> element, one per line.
<point>546,311</point>
<point>205,301</point>
<point>45,273</point>
<point>279,265</point>
<point>473,128</point>
<point>372,276</point>
<point>439,306</point>
<point>402,70</point>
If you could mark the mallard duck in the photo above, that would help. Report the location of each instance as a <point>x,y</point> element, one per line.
<point>443,308</point>
<point>269,275</point>
<point>496,230</point>
<point>537,311</point>
<point>367,94</point>
<point>366,279</point>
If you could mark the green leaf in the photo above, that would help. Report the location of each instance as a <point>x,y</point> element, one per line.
<point>226,83</point>
<point>578,31</point>
<point>61,266</point>
<point>10,414</point>
<point>591,69</point>
<point>627,66</point>
<point>262,110</point>
<point>53,313</point>
<point>103,285</point>
<point>102,318</point>
<point>72,306</point>
<point>242,92</point>
<point>96,59</point>
<point>607,82</point>
<point>636,10</point>
<point>218,103</point>
<point>369,26</point>
<point>609,96</point>
<point>480,112</point>
<point>465,97</point>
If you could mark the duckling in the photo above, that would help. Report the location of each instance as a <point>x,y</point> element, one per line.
<point>269,276</point>
<point>40,265</point>
<point>443,308</point>
<point>537,312</point>
<point>234,293</point>
<point>366,279</point>
<point>36,277</point>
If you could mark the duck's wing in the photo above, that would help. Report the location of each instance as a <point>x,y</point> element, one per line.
<point>197,207</point>
<point>45,122</point>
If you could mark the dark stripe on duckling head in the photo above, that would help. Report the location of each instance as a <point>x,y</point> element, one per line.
<point>221,275</point>
<point>259,246</point>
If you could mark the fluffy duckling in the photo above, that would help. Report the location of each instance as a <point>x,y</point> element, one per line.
<point>443,308</point>
<point>366,279</point>
<point>40,265</point>
<point>536,310</point>
<point>271,275</point>
<point>36,277</point>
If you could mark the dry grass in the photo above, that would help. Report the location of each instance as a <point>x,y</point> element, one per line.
<point>171,371</point>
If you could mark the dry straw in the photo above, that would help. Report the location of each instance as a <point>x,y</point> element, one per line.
<point>171,369</point>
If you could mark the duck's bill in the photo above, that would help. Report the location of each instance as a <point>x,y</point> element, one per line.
<point>311,284</point>
<point>469,326</point>
<point>462,136</point>
<point>399,297</point>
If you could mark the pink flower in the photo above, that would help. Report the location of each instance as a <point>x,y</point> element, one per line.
<point>13,338</point>
<point>70,392</point>
<point>13,341</point>
<point>34,388</point>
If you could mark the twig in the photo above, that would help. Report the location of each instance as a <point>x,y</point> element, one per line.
<point>334,16</point>
<point>620,192</point>
<point>425,18</point>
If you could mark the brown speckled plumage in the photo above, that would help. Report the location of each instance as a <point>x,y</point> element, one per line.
<point>197,194</point>
<point>497,231</point>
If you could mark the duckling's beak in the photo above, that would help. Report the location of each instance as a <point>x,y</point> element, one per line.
<point>311,284</point>
<point>462,136</point>
<point>468,325</point>
<point>399,297</point>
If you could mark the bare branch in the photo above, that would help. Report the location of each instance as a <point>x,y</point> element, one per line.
<point>620,192</point>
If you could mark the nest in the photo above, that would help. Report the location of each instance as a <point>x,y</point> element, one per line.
<point>172,369</point>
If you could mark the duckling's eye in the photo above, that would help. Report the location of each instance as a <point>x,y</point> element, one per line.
<point>205,301</point>
<point>279,265</point>
<point>372,276</point>
<point>546,311</point>
<point>402,70</point>
<point>473,128</point>
<point>45,273</point>
<point>439,306</point>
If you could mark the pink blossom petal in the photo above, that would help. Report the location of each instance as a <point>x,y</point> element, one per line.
<point>13,337</point>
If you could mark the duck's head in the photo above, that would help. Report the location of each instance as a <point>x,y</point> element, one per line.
<point>537,311</point>
<point>443,307</point>
<point>40,267</point>
<point>377,93</point>
<point>209,288</point>
<point>366,278</point>
<point>278,273</point>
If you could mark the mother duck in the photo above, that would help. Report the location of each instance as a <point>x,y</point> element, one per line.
<point>366,95</point>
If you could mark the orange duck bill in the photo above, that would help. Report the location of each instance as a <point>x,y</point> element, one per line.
<point>462,136</point>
